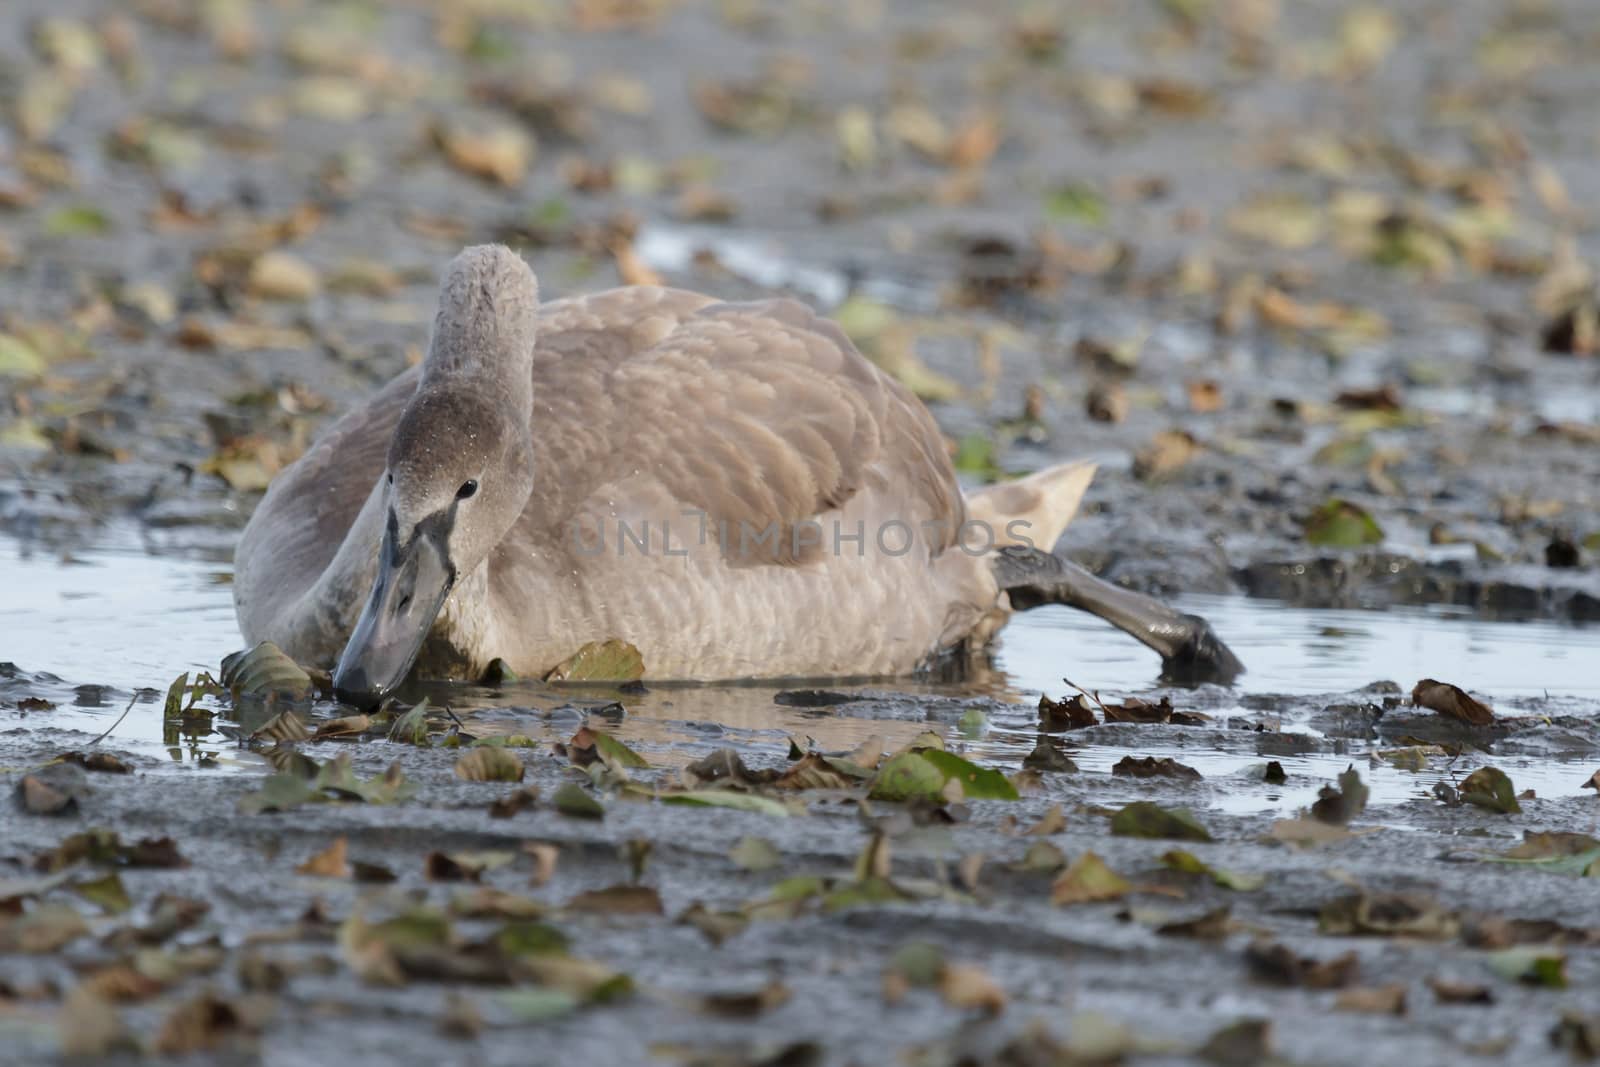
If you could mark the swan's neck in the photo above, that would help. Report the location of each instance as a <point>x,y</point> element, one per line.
<point>327,613</point>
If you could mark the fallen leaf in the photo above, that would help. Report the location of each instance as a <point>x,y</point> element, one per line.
<point>347,726</point>
<point>489,765</point>
<point>1150,767</point>
<point>1388,915</point>
<point>283,276</point>
<point>1088,880</point>
<point>1341,524</point>
<point>968,987</point>
<point>1449,992</point>
<point>464,866</point>
<point>1167,452</point>
<point>600,661</point>
<point>331,862</point>
<point>518,800</point>
<point>1338,805</point>
<point>746,1005</point>
<point>589,745</point>
<point>1451,702</point>
<point>1373,1000</point>
<point>1530,966</point>
<point>264,671</point>
<point>1188,863</point>
<point>1488,787</point>
<point>618,900</point>
<point>1213,925</point>
<point>1274,962</point>
<point>755,854</point>
<point>1144,819</point>
<point>572,799</point>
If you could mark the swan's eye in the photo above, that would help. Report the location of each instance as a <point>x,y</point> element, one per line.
<point>390,477</point>
<point>468,487</point>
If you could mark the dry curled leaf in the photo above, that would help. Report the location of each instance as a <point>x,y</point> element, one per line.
<point>1451,702</point>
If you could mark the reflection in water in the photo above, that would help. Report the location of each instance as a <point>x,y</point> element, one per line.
<point>106,624</point>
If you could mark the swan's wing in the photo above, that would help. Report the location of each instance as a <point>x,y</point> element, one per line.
<point>762,416</point>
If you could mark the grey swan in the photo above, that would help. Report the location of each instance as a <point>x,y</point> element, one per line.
<point>731,488</point>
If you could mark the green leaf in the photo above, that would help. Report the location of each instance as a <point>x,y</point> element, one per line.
<point>1488,787</point>
<point>600,661</point>
<point>615,753</point>
<point>1144,819</point>
<point>412,727</point>
<point>1188,863</point>
<point>77,220</point>
<point>1341,524</point>
<point>977,783</point>
<point>755,854</point>
<point>1076,202</point>
<point>489,765</point>
<point>1530,966</point>
<point>19,359</point>
<point>173,708</point>
<point>724,798</point>
<point>973,724</point>
<point>1088,880</point>
<point>572,799</point>
<point>106,893</point>
<point>529,938</point>
<point>907,776</point>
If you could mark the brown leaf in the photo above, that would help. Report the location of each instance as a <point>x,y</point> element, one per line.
<point>1167,452</point>
<point>90,1028</point>
<point>39,797</point>
<point>346,726</point>
<point>1150,767</point>
<point>1214,925</point>
<point>1072,713</point>
<point>966,986</point>
<point>1205,395</point>
<point>516,801</point>
<point>200,1024</point>
<point>1088,880</point>
<point>1451,702</point>
<point>618,900</point>
<point>746,1005</point>
<point>1106,402</point>
<point>331,862</point>
<point>1373,1000</point>
<point>813,772</point>
<point>463,866</point>
<point>544,860</point>
<point>1450,992</point>
<point>1273,962</point>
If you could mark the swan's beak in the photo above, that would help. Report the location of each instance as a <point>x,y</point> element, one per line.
<point>413,581</point>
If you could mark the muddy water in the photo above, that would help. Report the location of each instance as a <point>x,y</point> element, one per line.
<point>89,629</point>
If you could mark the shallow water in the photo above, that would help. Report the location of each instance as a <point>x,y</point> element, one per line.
<point>127,620</point>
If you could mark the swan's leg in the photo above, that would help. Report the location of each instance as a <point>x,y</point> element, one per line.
<point>1190,650</point>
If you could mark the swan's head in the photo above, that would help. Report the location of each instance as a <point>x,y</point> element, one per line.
<point>460,466</point>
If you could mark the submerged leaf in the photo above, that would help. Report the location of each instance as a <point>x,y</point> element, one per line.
<point>1144,819</point>
<point>600,661</point>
